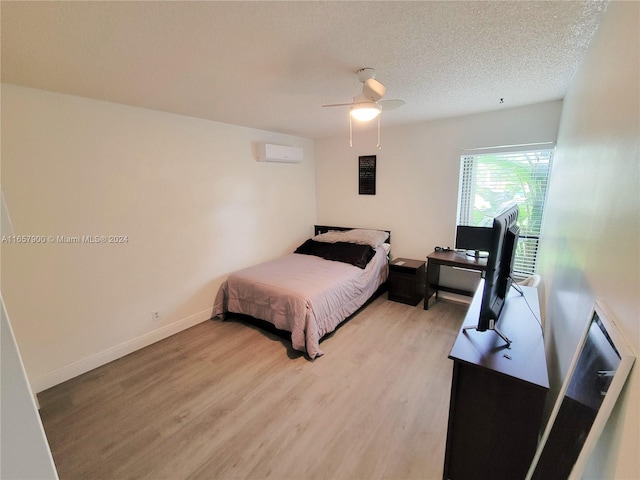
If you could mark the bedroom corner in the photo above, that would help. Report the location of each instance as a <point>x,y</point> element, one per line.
<point>129,212</point>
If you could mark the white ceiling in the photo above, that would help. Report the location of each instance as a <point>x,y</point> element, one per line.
<point>271,65</point>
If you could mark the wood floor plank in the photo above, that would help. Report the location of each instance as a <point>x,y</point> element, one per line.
<point>226,400</point>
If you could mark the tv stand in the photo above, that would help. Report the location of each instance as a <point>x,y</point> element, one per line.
<point>497,394</point>
<point>494,329</point>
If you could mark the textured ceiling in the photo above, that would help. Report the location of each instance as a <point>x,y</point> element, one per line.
<point>271,65</point>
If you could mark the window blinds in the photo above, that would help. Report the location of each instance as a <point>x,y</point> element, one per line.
<point>491,181</point>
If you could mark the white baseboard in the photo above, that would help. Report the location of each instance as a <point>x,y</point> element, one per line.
<point>74,369</point>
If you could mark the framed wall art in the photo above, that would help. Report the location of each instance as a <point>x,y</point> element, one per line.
<point>367,175</point>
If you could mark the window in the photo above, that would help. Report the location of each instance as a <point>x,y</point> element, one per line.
<point>493,179</point>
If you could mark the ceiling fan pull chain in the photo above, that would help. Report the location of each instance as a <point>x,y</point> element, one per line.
<point>350,133</point>
<point>378,145</point>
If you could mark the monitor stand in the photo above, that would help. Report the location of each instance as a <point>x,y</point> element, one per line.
<point>477,254</point>
<point>492,327</point>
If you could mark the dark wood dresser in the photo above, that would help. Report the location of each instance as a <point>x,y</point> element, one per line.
<point>497,393</point>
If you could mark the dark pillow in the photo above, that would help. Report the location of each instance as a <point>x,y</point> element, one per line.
<point>311,247</point>
<point>352,253</point>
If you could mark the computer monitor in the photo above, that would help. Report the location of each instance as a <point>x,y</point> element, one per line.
<point>475,240</point>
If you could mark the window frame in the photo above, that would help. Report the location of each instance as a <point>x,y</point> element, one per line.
<point>539,175</point>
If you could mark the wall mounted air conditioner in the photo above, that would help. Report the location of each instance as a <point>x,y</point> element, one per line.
<point>267,152</point>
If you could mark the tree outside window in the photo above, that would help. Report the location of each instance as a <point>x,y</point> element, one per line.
<point>490,182</point>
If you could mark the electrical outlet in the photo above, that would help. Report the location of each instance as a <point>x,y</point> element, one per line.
<point>155,315</point>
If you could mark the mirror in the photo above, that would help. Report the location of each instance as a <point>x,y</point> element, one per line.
<point>596,376</point>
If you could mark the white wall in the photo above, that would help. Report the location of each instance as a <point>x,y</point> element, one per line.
<point>591,244</point>
<point>417,172</point>
<point>188,195</point>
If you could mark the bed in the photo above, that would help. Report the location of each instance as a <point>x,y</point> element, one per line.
<point>308,293</point>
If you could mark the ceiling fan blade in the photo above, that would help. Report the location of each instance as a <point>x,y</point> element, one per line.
<point>338,105</point>
<point>391,104</point>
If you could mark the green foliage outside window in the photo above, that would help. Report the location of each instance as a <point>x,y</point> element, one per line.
<point>492,182</point>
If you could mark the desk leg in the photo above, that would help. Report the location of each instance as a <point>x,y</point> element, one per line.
<point>433,280</point>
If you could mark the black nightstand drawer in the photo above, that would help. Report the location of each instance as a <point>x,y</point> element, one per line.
<point>406,281</point>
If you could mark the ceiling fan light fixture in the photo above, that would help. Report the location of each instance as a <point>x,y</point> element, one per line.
<point>365,111</point>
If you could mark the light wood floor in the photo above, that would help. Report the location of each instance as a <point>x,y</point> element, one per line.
<point>225,400</point>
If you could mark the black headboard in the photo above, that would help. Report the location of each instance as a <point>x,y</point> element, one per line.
<point>318,229</point>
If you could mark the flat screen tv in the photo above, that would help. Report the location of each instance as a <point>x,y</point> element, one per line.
<point>498,276</point>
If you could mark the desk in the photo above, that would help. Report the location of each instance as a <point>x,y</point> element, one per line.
<point>450,259</point>
<point>497,393</point>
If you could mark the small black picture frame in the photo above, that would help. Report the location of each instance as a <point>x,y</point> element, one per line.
<point>367,175</point>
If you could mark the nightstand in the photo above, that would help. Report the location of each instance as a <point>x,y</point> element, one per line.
<point>406,281</point>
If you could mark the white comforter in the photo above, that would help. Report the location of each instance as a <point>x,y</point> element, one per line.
<point>302,294</point>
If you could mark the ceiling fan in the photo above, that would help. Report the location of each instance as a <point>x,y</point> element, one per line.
<point>368,105</point>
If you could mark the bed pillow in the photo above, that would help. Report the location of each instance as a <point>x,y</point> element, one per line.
<point>332,236</point>
<point>373,238</point>
<point>352,253</point>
